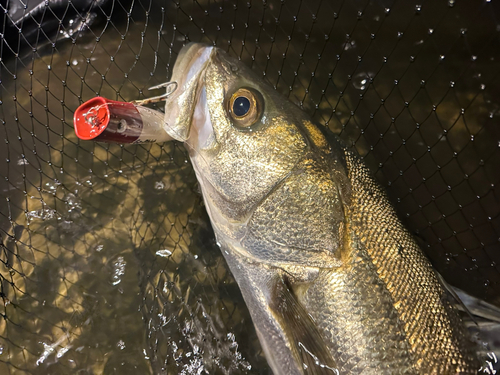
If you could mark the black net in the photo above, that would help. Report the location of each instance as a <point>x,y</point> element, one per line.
<point>108,261</point>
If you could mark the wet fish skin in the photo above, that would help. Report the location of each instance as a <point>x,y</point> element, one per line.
<point>332,279</point>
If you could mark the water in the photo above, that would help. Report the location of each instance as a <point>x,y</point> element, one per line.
<point>109,264</point>
<point>87,286</point>
<point>89,283</point>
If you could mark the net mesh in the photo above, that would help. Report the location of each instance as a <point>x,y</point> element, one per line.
<point>108,262</point>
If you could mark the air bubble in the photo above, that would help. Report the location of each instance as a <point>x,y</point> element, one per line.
<point>361,80</point>
<point>62,351</point>
<point>350,45</point>
<point>118,270</point>
<point>43,213</point>
<point>164,253</point>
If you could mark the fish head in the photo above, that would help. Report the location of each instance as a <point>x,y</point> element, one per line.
<point>243,137</point>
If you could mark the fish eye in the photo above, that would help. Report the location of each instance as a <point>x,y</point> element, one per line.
<point>245,107</point>
<point>241,106</point>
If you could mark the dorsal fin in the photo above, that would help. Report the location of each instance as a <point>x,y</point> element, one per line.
<point>305,339</point>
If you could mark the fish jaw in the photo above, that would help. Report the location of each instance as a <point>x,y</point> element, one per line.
<point>188,73</point>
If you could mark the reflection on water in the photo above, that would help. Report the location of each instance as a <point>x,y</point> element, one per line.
<point>69,302</point>
<point>90,278</point>
<point>108,262</point>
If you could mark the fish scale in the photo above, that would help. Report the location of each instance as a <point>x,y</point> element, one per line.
<point>357,315</point>
<point>432,327</point>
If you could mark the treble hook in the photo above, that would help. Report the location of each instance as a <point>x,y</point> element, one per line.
<point>170,86</point>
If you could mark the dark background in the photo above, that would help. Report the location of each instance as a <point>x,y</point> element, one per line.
<point>412,85</point>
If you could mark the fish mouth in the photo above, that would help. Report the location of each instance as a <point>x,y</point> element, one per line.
<point>190,62</point>
<point>188,72</point>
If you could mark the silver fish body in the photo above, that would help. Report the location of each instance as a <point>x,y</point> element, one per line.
<point>332,279</point>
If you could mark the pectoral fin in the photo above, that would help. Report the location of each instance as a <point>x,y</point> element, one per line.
<point>288,335</point>
<point>304,337</point>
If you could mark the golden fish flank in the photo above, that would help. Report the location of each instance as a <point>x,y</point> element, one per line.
<point>333,281</point>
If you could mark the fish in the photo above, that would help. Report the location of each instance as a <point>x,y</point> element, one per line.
<point>334,282</point>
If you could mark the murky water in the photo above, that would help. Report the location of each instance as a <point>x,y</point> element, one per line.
<point>108,260</point>
<point>109,265</point>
